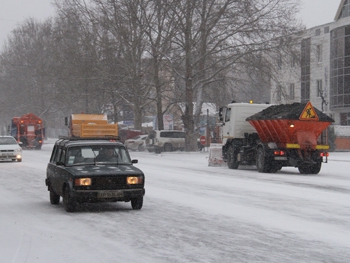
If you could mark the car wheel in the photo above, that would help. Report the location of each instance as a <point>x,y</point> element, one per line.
<point>168,147</point>
<point>136,203</point>
<point>141,148</point>
<point>69,203</point>
<point>54,198</point>
<point>158,150</point>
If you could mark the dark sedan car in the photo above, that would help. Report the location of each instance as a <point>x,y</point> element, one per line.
<point>93,170</point>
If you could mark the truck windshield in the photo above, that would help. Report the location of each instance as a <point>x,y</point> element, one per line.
<point>106,154</point>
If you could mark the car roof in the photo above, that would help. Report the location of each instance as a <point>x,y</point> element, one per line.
<point>87,141</point>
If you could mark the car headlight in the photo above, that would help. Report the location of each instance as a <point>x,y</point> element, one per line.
<point>134,180</point>
<point>82,182</point>
<point>18,150</point>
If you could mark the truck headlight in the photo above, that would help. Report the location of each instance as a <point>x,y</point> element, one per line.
<point>82,181</point>
<point>134,180</point>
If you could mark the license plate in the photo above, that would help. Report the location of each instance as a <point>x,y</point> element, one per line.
<point>110,194</point>
<point>279,158</point>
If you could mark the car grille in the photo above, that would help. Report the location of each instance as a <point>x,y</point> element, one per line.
<point>105,183</point>
<point>6,151</point>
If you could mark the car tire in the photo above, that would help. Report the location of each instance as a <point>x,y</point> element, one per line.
<point>54,198</point>
<point>141,148</point>
<point>136,203</point>
<point>168,147</point>
<point>157,150</point>
<point>69,203</point>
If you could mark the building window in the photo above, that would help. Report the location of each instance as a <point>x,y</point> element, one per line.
<point>319,88</point>
<point>279,93</point>
<point>293,60</point>
<point>326,29</point>
<point>345,12</point>
<point>291,91</point>
<point>279,61</point>
<point>305,70</point>
<point>319,53</point>
<point>340,68</point>
<point>318,32</point>
<point>345,119</point>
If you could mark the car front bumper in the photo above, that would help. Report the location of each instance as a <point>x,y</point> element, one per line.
<point>93,196</point>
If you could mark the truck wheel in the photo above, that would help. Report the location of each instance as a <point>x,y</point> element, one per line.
<point>136,203</point>
<point>310,169</point>
<point>232,161</point>
<point>316,168</point>
<point>303,169</point>
<point>69,203</point>
<point>168,147</point>
<point>54,198</point>
<point>261,163</point>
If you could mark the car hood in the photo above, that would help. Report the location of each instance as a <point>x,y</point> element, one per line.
<point>9,147</point>
<point>97,170</point>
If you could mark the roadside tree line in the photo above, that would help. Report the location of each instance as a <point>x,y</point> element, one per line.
<point>143,56</point>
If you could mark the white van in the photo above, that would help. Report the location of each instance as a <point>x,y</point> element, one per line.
<point>165,140</point>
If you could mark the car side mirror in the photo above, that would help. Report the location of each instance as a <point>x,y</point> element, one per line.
<point>134,161</point>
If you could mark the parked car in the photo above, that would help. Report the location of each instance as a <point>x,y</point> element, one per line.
<point>165,140</point>
<point>136,143</point>
<point>93,170</point>
<point>10,150</point>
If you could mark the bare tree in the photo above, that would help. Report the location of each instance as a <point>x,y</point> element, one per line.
<point>225,33</point>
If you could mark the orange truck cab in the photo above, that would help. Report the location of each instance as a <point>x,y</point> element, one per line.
<point>28,130</point>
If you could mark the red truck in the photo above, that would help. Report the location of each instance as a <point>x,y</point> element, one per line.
<point>28,130</point>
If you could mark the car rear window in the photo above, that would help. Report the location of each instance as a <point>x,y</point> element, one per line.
<point>168,134</point>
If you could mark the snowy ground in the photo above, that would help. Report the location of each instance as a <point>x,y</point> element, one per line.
<point>191,213</point>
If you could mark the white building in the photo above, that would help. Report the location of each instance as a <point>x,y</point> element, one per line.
<point>322,75</point>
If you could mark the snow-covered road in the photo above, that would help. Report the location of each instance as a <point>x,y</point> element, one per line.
<point>191,213</point>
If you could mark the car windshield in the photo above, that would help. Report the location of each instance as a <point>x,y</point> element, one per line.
<point>7,141</point>
<point>106,154</point>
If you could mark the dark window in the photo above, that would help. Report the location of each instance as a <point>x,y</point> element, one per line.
<point>291,91</point>
<point>169,134</point>
<point>319,53</point>
<point>345,12</point>
<point>340,66</point>
<point>326,29</point>
<point>279,93</point>
<point>318,32</point>
<point>319,88</point>
<point>305,69</point>
<point>227,114</point>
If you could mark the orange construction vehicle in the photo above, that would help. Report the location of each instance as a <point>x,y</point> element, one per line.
<point>28,130</point>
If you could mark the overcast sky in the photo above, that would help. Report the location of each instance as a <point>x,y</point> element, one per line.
<point>14,12</point>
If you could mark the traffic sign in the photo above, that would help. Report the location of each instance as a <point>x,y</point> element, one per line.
<point>203,140</point>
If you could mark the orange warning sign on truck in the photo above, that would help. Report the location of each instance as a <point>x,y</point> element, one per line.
<point>309,113</point>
